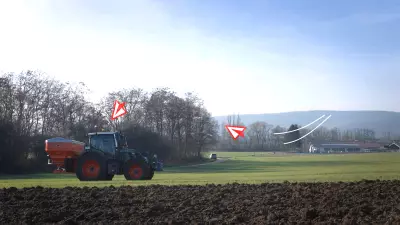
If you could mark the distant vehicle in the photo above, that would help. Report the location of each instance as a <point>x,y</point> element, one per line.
<point>213,156</point>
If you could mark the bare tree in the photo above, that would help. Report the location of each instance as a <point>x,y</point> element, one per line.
<point>135,100</point>
<point>277,140</point>
<point>205,130</point>
<point>260,133</point>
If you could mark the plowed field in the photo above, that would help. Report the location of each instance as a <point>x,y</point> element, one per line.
<point>365,202</point>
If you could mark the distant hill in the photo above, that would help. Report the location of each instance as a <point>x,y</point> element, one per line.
<point>380,121</point>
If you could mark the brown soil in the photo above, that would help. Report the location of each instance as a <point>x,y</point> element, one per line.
<point>365,202</point>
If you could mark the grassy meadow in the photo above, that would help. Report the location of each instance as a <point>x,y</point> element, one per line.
<point>244,167</point>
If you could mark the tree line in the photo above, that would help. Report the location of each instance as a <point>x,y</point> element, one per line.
<point>35,107</point>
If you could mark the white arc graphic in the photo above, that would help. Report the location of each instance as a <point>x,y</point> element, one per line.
<point>310,131</point>
<point>233,130</point>
<point>286,132</point>
<point>304,127</point>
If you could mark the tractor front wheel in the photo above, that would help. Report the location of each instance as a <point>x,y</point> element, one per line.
<point>136,170</point>
<point>91,167</point>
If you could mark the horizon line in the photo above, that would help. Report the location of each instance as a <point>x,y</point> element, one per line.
<point>317,110</point>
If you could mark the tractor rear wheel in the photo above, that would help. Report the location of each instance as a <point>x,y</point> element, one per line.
<point>136,170</point>
<point>91,167</point>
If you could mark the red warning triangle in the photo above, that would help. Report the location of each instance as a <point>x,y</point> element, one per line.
<point>118,110</point>
<point>236,131</point>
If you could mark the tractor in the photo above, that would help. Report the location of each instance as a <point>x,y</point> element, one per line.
<point>105,155</point>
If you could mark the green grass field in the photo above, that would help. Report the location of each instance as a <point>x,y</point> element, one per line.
<point>245,168</point>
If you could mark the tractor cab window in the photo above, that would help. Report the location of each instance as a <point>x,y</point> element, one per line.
<point>103,143</point>
<point>121,140</point>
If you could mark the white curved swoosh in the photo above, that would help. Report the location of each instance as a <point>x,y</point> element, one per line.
<point>309,132</point>
<point>286,132</point>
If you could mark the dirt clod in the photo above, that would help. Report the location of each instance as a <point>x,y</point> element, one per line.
<point>364,202</point>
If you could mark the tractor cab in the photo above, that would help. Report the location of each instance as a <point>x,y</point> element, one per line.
<point>107,142</point>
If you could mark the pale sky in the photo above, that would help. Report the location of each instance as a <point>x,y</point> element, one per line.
<point>238,56</point>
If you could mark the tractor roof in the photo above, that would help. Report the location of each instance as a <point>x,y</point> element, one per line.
<point>95,133</point>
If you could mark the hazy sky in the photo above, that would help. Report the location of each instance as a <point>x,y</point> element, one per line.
<point>239,56</point>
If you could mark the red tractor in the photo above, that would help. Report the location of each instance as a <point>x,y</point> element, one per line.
<point>106,155</point>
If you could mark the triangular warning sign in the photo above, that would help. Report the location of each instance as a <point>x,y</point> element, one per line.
<point>118,110</point>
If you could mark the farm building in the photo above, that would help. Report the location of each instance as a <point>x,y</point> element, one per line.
<point>371,147</point>
<point>334,148</point>
<point>326,147</point>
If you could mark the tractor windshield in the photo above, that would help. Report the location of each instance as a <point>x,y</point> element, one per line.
<point>103,142</point>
